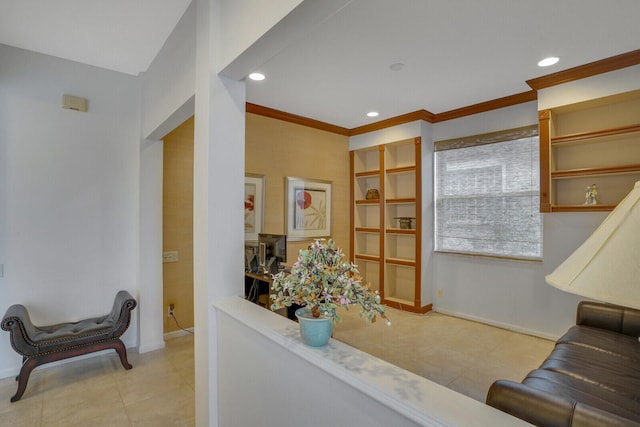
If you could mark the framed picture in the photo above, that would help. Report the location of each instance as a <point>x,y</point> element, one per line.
<point>308,208</point>
<point>253,206</point>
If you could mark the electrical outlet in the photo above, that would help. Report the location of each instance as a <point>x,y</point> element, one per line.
<point>439,292</point>
<point>170,256</point>
<point>171,310</point>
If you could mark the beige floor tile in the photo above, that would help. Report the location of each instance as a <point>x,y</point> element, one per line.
<point>26,412</point>
<point>173,408</point>
<point>117,418</point>
<point>34,392</point>
<point>81,401</point>
<point>136,388</point>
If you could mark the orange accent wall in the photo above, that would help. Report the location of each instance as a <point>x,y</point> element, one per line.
<point>177,225</point>
<point>277,149</point>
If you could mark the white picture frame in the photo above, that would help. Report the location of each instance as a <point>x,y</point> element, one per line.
<point>308,208</point>
<point>253,206</point>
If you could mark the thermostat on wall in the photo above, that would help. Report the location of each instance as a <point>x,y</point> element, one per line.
<point>74,103</point>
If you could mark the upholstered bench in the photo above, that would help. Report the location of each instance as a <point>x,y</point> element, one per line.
<point>44,344</point>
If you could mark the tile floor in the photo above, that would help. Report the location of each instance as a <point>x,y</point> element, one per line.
<point>159,390</point>
<point>98,391</point>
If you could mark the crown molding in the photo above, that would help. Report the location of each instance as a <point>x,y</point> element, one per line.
<point>294,118</point>
<point>393,121</point>
<point>606,65</point>
<point>482,107</point>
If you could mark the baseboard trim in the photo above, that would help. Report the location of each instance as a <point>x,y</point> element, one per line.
<point>176,334</point>
<point>500,325</point>
<point>152,347</point>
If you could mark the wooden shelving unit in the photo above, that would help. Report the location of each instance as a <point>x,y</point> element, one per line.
<point>366,214</point>
<point>387,255</point>
<point>591,142</point>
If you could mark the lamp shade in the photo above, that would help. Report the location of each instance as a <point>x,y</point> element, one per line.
<point>606,266</point>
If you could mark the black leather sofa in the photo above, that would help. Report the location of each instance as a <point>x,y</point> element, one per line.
<point>591,378</point>
<point>43,344</point>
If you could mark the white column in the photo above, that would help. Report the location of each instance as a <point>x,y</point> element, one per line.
<point>218,207</point>
<point>150,309</point>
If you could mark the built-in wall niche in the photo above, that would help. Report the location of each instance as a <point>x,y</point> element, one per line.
<point>586,143</point>
<point>386,231</point>
<point>399,284</point>
<point>367,214</point>
<point>368,243</point>
<point>401,247</point>
<point>397,210</point>
<point>370,271</point>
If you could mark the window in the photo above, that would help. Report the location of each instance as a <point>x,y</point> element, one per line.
<point>487,195</point>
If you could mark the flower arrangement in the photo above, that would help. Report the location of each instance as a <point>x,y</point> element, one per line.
<point>322,281</point>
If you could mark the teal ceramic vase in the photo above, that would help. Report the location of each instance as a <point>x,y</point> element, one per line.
<point>315,332</point>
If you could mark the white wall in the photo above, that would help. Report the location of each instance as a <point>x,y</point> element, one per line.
<point>167,100</point>
<point>510,294</point>
<point>68,218</point>
<point>169,83</point>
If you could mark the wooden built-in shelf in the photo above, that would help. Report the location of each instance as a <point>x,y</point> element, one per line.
<point>585,172</point>
<point>367,174</point>
<point>585,136</point>
<point>596,141</point>
<point>403,169</point>
<point>368,229</point>
<point>400,261</point>
<point>401,200</point>
<point>401,231</point>
<point>389,256</point>
<point>367,257</point>
<point>582,208</point>
<point>398,300</point>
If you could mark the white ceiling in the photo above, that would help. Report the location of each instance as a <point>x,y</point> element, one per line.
<point>456,52</point>
<point>119,35</point>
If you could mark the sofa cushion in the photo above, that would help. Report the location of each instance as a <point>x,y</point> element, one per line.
<point>608,371</point>
<point>624,346</point>
<point>578,390</point>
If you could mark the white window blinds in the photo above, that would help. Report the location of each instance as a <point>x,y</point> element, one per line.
<point>487,195</point>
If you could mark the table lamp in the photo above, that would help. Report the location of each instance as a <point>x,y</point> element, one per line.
<point>606,267</point>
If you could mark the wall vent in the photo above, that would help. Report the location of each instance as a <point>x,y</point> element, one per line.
<point>74,103</point>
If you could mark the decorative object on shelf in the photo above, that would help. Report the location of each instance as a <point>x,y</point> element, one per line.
<point>321,281</point>
<point>308,208</point>
<point>405,222</point>
<point>253,206</point>
<point>590,195</point>
<point>373,194</point>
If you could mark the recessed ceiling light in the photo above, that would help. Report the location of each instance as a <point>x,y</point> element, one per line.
<point>256,76</point>
<point>548,61</point>
<point>372,114</point>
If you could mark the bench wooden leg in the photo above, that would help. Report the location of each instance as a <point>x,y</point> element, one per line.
<point>119,347</point>
<point>23,378</point>
<point>30,363</point>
